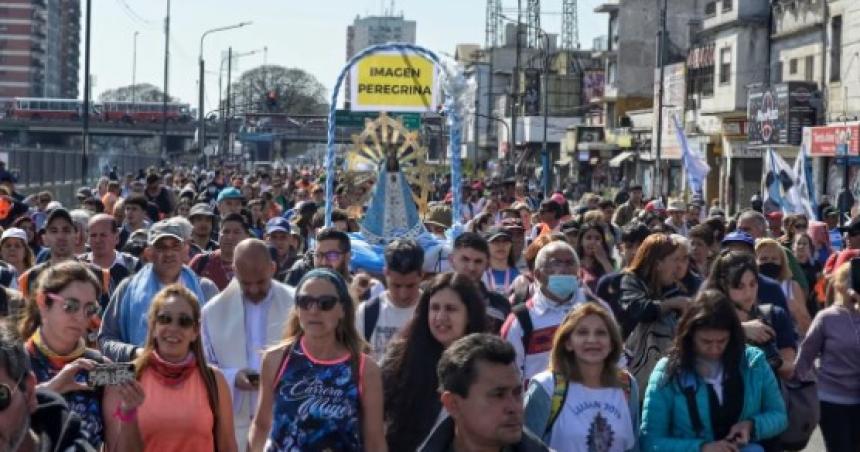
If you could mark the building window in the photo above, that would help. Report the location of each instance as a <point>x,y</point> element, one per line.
<point>792,66</point>
<point>836,49</point>
<point>711,9</point>
<point>809,68</point>
<point>778,72</point>
<point>727,5</point>
<point>725,65</point>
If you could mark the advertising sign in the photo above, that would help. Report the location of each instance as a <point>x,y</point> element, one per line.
<point>394,81</point>
<point>593,84</point>
<point>531,93</point>
<point>825,141</point>
<point>674,98</point>
<point>777,114</point>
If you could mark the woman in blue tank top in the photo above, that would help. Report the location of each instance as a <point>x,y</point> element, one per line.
<point>319,390</point>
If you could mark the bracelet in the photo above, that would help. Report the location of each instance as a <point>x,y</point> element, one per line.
<point>125,416</point>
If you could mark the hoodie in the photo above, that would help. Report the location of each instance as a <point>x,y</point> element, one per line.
<point>57,427</point>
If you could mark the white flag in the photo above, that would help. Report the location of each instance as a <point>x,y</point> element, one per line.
<point>804,182</point>
<point>780,186</point>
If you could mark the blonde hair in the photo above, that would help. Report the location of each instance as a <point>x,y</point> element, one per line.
<point>563,361</point>
<point>841,279</point>
<point>760,244</point>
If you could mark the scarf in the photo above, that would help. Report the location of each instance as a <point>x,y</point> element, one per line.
<point>56,361</point>
<point>138,296</point>
<point>171,374</point>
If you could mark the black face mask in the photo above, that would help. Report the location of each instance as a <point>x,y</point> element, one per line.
<point>770,270</point>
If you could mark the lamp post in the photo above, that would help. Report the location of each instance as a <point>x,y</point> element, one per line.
<point>85,114</point>
<point>221,110</point>
<point>201,119</point>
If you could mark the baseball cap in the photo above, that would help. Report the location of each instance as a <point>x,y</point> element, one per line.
<point>201,208</point>
<point>162,229</point>
<point>655,206</point>
<point>829,211</point>
<point>84,192</point>
<point>509,224</point>
<point>58,213</point>
<point>853,226</point>
<point>548,205</point>
<point>439,215</point>
<point>738,237</point>
<point>280,224</point>
<point>495,233</point>
<point>716,212</point>
<point>230,193</point>
<point>14,233</point>
<point>676,206</point>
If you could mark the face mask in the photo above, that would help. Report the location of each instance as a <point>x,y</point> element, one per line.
<point>563,286</point>
<point>770,270</point>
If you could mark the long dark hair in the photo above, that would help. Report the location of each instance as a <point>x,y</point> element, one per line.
<point>409,370</point>
<point>581,252</point>
<point>728,269</point>
<point>711,309</point>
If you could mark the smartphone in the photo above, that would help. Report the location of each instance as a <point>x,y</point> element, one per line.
<point>110,374</point>
<point>254,379</point>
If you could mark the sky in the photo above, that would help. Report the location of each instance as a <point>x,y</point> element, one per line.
<point>308,34</point>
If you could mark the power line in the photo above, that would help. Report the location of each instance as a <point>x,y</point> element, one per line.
<point>135,16</point>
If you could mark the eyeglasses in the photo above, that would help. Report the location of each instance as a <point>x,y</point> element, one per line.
<point>325,302</point>
<point>73,306</point>
<point>184,321</point>
<point>329,256</point>
<point>6,392</point>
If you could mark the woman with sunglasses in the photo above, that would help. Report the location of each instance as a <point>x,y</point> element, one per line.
<point>319,388</point>
<point>55,323</point>
<point>447,310</point>
<point>187,405</point>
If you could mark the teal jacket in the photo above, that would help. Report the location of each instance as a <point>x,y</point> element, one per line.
<point>668,426</point>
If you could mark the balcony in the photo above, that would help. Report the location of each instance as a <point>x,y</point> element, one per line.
<point>608,6</point>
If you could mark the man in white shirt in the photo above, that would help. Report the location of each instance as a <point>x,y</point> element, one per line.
<point>531,326</point>
<point>383,317</point>
<point>248,317</point>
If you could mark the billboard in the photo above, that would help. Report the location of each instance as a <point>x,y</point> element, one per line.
<point>823,141</point>
<point>674,99</point>
<point>394,81</point>
<point>777,114</point>
<point>593,84</point>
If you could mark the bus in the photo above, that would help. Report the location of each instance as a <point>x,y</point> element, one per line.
<point>36,108</point>
<point>139,112</point>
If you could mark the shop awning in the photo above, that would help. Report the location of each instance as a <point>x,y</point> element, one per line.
<point>616,161</point>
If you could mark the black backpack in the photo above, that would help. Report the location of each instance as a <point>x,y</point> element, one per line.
<point>371,316</point>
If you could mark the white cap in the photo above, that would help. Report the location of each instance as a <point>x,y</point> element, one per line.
<point>14,233</point>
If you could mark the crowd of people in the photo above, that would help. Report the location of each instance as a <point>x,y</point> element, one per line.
<point>588,324</point>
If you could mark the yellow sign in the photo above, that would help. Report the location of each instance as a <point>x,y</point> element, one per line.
<point>394,81</point>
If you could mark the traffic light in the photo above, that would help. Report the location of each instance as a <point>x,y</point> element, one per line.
<point>272,99</point>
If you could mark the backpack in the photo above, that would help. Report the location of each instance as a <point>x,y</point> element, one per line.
<point>521,312</point>
<point>371,316</point>
<point>559,396</point>
<point>801,404</point>
<point>201,264</point>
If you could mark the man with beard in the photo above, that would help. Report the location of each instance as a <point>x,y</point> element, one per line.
<point>218,265</point>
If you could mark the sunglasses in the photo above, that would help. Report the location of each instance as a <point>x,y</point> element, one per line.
<point>801,226</point>
<point>329,256</point>
<point>325,302</point>
<point>184,321</point>
<point>73,306</point>
<point>6,393</point>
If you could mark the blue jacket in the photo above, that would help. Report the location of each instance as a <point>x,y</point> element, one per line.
<point>668,426</point>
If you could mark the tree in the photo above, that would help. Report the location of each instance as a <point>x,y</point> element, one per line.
<point>141,92</point>
<point>278,89</point>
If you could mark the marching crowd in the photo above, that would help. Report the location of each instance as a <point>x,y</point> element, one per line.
<point>589,324</point>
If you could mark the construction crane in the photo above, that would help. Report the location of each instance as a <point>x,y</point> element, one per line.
<point>533,23</point>
<point>493,24</point>
<point>569,25</point>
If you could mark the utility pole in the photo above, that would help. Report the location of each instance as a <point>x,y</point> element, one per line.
<point>547,167</point>
<point>227,115</point>
<point>165,95</point>
<point>85,114</point>
<point>515,96</point>
<point>661,51</point>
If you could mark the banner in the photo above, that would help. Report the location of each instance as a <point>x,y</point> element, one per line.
<point>782,191</point>
<point>531,93</point>
<point>695,166</point>
<point>777,114</point>
<point>824,141</point>
<point>805,182</point>
<point>394,81</point>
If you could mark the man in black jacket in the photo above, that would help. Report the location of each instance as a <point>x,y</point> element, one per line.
<point>483,394</point>
<point>31,419</point>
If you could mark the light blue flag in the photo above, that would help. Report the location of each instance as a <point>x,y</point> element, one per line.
<point>696,167</point>
<point>805,183</point>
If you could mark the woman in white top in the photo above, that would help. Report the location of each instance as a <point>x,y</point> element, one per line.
<point>773,263</point>
<point>584,402</point>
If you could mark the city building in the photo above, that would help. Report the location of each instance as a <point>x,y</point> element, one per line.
<point>39,48</point>
<point>371,30</point>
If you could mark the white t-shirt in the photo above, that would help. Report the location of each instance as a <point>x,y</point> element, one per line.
<point>591,419</point>
<point>391,320</point>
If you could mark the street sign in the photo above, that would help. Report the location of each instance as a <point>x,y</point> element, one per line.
<point>347,118</point>
<point>402,81</point>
